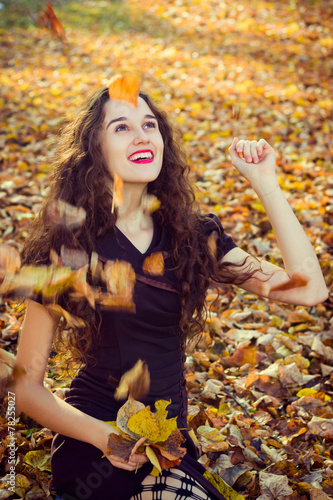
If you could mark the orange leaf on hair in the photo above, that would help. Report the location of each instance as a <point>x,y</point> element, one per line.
<point>296,280</point>
<point>125,88</point>
<point>154,264</point>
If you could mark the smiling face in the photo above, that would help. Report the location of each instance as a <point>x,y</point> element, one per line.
<point>131,143</point>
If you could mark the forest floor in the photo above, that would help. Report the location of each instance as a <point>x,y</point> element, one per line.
<point>260,380</point>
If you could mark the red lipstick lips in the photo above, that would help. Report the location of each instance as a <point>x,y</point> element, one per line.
<point>142,156</point>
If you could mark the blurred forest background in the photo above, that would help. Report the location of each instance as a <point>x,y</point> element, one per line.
<point>260,380</point>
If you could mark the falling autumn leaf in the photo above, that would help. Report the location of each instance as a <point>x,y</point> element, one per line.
<point>9,260</point>
<point>154,264</point>
<point>296,280</point>
<point>63,214</point>
<point>212,247</point>
<point>118,191</point>
<point>120,278</point>
<point>72,321</point>
<point>96,267</point>
<point>75,259</point>
<point>134,382</point>
<point>125,88</point>
<point>48,19</point>
<point>10,372</point>
<point>150,203</point>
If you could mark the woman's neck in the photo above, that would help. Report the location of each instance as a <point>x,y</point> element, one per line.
<point>131,217</point>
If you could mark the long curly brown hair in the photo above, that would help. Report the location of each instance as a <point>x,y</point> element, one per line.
<point>80,177</point>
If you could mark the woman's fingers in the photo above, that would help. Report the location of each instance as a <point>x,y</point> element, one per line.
<point>247,152</point>
<point>250,151</point>
<point>139,457</point>
<point>261,144</point>
<point>239,146</point>
<point>254,151</point>
<point>124,465</point>
<point>134,462</point>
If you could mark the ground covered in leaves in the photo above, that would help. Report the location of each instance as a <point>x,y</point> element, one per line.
<point>260,381</point>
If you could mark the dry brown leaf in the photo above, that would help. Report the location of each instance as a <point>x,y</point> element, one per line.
<point>165,459</point>
<point>321,426</point>
<point>120,446</point>
<point>125,412</point>
<point>274,487</point>
<point>173,445</point>
<point>317,494</point>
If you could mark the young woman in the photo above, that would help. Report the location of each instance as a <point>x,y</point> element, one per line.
<point>112,137</point>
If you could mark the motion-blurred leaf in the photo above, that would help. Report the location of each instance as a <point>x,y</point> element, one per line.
<point>134,382</point>
<point>63,214</point>
<point>154,264</point>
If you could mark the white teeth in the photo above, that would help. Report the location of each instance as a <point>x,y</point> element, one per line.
<point>141,156</point>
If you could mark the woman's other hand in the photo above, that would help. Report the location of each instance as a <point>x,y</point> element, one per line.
<point>135,461</point>
<point>256,161</point>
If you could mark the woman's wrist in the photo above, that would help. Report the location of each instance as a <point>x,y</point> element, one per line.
<point>262,195</point>
<point>264,187</point>
<point>100,439</point>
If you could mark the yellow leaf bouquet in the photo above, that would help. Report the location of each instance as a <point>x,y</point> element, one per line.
<point>142,431</point>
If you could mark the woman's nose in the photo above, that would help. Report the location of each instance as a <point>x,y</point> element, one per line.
<point>141,137</point>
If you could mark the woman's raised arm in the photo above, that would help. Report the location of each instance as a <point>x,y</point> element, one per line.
<point>256,162</point>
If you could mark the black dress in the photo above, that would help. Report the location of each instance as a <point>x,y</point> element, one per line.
<point>151,334</point>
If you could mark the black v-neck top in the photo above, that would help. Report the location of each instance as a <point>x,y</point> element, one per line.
<point>152,333</point>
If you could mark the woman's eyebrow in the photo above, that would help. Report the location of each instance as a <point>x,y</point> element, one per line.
<point>120,119</point>
<point>123,118</point>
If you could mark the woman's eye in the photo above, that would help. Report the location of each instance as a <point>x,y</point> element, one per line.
<point>150,125</point>
<point>121,127</point>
